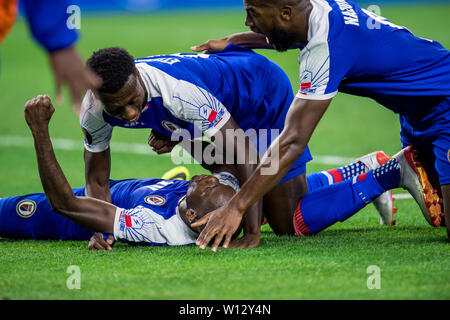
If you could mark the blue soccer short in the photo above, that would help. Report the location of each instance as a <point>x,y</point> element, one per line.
<point>432,136</point>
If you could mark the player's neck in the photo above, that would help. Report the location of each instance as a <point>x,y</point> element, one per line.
<point>182,209</point>
<point>301,21</point>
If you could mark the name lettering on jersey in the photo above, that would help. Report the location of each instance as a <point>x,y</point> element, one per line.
<point>350,16</point>
<point>159,185</point>
<point>134,124</point>
<point>191,55</point>
<point>172,58</point>
<point>168,60</point>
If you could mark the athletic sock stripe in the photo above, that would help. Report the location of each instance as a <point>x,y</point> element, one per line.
<point>337,176</point>
<point>329,177</point>
<point>300,227</point>
<point>362,176</point>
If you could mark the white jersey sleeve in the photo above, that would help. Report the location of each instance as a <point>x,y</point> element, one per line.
<point>314,59</point>
<point>97,132</point>
<point>142,224</point>
<point>185,100</point>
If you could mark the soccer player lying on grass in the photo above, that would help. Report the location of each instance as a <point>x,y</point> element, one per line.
<point>230,90</point>
<point>153,211</point>
<point>348,49</point>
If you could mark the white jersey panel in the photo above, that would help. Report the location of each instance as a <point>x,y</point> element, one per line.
<point>142,224</point>
<point>97,133</point>
<point>185,100</point>
<point>314,59</point>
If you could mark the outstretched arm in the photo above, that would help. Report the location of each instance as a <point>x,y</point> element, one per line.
<point>249,39</point>
<point>301,120</point>
<point>236,148</point>
<point>92,214</point>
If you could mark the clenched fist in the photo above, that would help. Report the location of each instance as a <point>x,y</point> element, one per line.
<point>38,112</point>
<point>160,143</point>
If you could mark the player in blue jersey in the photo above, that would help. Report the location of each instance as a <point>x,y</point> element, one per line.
<point>212,94</point>
<point>200,94</point>
<point>152,211</point>
<point>348,49</point>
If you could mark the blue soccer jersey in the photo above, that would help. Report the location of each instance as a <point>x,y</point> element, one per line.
<point>200,93</point>
<point>147,211</point>
<point>354,51</point>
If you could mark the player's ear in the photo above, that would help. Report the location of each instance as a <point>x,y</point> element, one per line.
<point>286,13</point>
<point>191,215</point>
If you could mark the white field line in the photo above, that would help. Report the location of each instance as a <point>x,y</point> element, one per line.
<point>76,145</point>
<point>142,148</point>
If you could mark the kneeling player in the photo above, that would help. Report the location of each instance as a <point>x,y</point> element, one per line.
<point>212,94</point>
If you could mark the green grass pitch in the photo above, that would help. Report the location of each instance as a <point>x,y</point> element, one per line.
<point>413,258</point>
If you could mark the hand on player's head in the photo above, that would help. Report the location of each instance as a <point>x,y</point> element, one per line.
<point>205,194</point>
<point>38,111</point>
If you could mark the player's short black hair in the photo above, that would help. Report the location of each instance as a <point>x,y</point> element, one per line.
<point>114,66</point>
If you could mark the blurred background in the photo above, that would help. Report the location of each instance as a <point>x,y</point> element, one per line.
<point>159,5</point>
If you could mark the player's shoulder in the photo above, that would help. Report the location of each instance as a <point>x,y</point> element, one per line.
<point>91,102</point>
<point>91,106</point>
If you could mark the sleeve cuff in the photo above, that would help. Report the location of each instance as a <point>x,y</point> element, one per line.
<point>96,148</point>
<point>213,130</point>
<point>316,96</point>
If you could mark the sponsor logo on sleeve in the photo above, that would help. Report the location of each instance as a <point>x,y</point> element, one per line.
<point>306,83</point>
<point>211,115</point>
<point>26,208</point>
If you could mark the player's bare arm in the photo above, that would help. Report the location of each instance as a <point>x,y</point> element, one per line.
<point>90,213</point>
<point>97,173</point>
<point>301,120</point>
<point>248,39</point>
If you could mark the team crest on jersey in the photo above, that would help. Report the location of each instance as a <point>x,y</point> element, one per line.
<point>448,155</point>
<point>26,208</point>
<point>155,200</point>
<point>169,126</point>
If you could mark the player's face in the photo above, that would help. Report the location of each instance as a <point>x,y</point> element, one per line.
<point>265,20</point>
<point>127,103</point>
